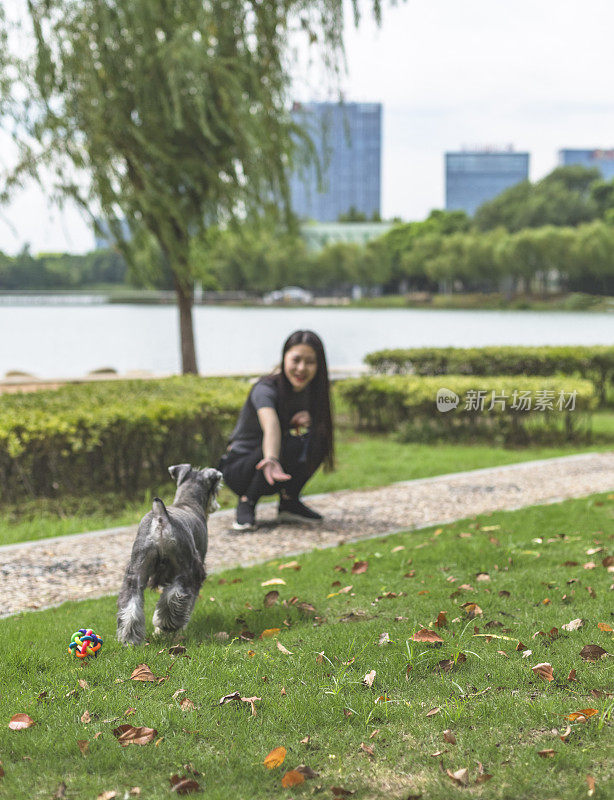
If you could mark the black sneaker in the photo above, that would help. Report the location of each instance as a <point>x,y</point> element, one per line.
<point>292,510</point>
<point>245,519</point>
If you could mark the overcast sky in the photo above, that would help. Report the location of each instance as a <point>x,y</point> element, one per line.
<point>450,73</point>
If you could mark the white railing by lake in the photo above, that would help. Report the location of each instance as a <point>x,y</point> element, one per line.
<point>69,341</point>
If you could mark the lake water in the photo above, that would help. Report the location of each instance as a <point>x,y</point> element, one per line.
<point>68,341</point>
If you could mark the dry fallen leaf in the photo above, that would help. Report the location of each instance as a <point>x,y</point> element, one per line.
<point>182,784</point>
<point>292,778</point>
<point>271,598</point>
<point>574,625</point>
<point>274,582</point>
<point>275,758</point>
<point>369,678</point>
<point>449,663</point>
<point>472,610</point>
<point>86,717</point>
<point>426,635</point>
<point>290,565</point>
<point>307,772</point>
<point>339,791</point>
<point>591,785</point>
<point>177,650</point>
<point>83,745</point>
<point>584,712</point>
<point>252,703</point>
<point>283,649</point>
<point>359,567</point>
<point>441,620</point>
<point>460,777</point>
<point>547,753</point>
<point>269,633</point>
<point>566,734</point>
<point>449,737</point>
<point>108,795</point>
<point>19,722</point>
<point>366,748</point>
<point>592,652</point>
<point>603,626</point>
<point>572,675</point>
<point>83,683</point>
<point>384,638</point>
<point>128,734</point>
<point>433,711</point>
<point>143,673</point>
<point>544,671</point>
<point>187,704</point>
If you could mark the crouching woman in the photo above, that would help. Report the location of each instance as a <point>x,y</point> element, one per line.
<point>283,434</point>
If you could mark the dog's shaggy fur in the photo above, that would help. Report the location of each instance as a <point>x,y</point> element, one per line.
<point>169,552</point>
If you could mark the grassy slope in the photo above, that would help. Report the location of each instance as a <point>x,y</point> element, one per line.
<point>364,460</point>
<point>500,712</point>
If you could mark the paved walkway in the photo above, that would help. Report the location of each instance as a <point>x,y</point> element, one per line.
<point>48,572</point>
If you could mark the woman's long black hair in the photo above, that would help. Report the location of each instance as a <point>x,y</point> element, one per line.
<point>322,445</point>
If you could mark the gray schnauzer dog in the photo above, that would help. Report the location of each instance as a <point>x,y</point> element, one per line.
<point>169,551</point>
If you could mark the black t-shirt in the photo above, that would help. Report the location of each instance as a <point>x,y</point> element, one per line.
<point>247,435</point>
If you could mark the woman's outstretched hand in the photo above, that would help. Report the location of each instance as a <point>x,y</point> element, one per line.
<point>272,470</point>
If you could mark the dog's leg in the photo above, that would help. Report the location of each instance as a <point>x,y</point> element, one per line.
<point>175,606</point>
<point>131,614</point>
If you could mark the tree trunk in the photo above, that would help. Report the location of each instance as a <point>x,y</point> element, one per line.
<point>185,301</point>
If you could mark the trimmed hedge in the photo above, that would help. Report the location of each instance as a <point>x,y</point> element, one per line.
<point>592,363</point>
<point>386,402</point>
<point>118,436</point>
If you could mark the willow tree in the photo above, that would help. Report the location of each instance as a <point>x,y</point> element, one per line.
<point>171,114</point>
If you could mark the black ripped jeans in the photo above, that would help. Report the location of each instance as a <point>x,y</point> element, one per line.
<point>240,473</point>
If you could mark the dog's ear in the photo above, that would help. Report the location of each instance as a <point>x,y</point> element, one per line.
<point>213,479</point>
<point>179,472</point>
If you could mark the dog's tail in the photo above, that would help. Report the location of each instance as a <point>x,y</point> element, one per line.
<point>163,541</point>
<point>159,509</point>
<point>161,524</point>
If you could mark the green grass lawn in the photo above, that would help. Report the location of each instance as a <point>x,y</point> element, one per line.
<point>529,573</point>
<point>364,460</point>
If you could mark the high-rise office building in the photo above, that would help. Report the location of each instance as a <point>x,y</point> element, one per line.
<point>475,176</point>
<point>602,159</point>
<point>348,141</point>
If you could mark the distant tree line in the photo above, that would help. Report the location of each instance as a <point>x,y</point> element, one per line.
<point>557,231</point>
<point>61,270</point>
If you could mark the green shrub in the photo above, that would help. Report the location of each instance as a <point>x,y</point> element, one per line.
<point>117,435</point>
<point>389,402</point>
<point>592,363</point>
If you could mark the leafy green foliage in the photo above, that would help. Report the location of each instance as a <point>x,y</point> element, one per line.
<point>118,436</point>
<point>61,270</point>
<point>595,363</point>
<point>564,197</point>
<point>385,402</point>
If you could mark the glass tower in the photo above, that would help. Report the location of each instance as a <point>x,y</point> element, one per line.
<point>473,177</point>
<point>602,159</point>
<point>348,141</point>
